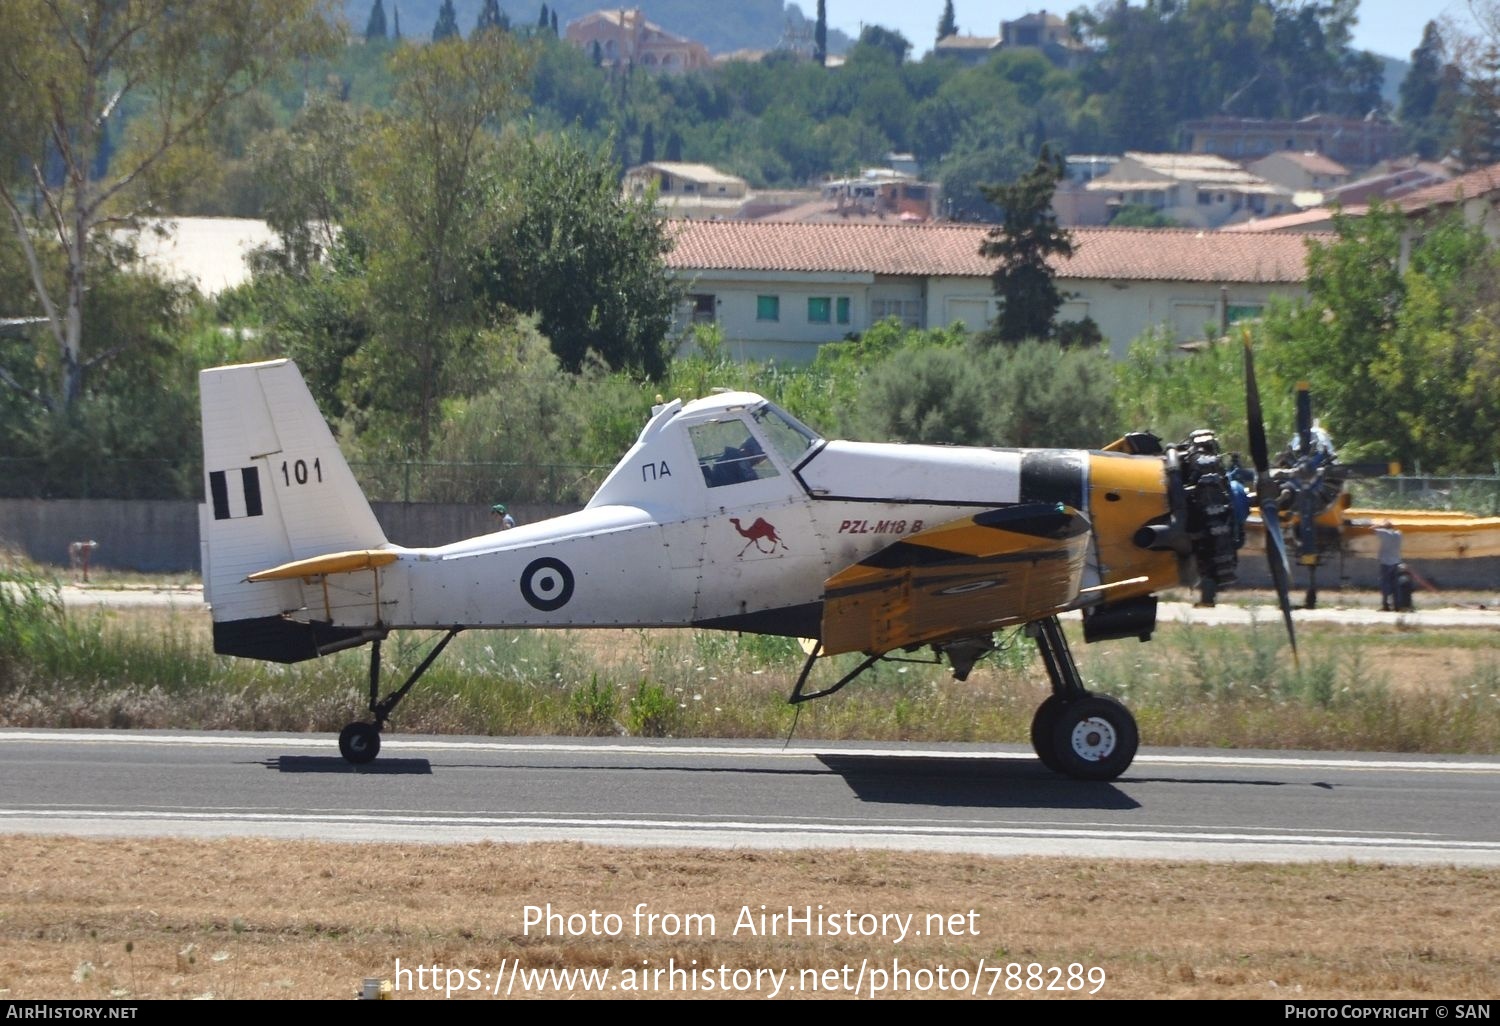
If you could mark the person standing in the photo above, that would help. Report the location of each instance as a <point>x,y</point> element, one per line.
<point>1390,566</point>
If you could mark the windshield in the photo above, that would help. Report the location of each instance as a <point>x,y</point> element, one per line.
<point>788,436</point>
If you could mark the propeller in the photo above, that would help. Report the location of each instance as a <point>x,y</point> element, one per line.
<point>1266,493</point>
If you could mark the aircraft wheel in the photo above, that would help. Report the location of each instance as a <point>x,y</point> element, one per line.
<point>1094,738</point>
<point>1041,731</point>
<point>359,742</point>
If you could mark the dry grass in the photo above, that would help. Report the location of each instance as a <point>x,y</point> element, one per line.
<point>90,919</point>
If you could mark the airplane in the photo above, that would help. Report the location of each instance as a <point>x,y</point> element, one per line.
<point>1316,512</point>
<point>728,514</point>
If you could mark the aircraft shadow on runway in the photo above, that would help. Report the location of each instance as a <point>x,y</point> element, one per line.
<point>334,764</point>
<point>999,783</point>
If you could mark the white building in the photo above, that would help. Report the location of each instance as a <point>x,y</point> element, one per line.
<point>688,190</point>
<point>780,290</point>
<point>1192,188</point>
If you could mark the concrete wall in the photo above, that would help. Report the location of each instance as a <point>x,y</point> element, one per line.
<point>162,537</point>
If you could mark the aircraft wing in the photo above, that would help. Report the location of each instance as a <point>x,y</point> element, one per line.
<point>970,575</point>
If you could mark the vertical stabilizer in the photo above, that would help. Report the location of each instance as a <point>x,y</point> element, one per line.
<point>277,489</point>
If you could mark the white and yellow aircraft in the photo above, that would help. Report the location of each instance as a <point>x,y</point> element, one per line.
<point>726,514</point>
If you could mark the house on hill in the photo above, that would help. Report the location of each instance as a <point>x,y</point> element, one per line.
<point>780,290</point>
<point>625,37</point>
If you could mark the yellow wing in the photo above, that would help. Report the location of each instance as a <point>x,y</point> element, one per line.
<point>973,574</point>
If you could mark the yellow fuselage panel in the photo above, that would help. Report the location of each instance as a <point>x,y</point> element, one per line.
<point>1125,493</point>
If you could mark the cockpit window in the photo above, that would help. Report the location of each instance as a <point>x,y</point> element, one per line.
<point>728,453</point>
<point>788,436</point>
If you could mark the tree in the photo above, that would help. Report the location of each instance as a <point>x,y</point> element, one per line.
<point>554,23</point>
<point>72,70</point>
<point>543,21</point>
<point>1024,243</point>
<point>880,38</point>
<point>820,34</point>
<point>1429,95</point>
<point>947,24</point>
<point>396,22</point>
<point>375,27</point>
<point>674,146</point>
<point>426,213</point>
<point>447,23</point>
<point>492,17</point>
<point>1478,116</point>
<point>588,261</point>
<point>648,144</point>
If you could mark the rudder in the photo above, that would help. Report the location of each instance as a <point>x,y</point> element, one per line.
<point>277,489</point>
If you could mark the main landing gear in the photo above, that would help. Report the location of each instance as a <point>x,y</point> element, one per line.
<point>360,742</point>
<point>1075,733</point>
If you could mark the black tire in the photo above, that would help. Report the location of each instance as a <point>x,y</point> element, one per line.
<point>359,743</point>
<point>1041,731</point>
<point>1094,738</point>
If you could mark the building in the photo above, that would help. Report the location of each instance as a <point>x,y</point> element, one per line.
<point>780,290</point>
<point>967,49</point>
<point>1300,171</point>
<point>1192,189</point>
<point>625,38</point>
<point>881,193</point>
<point>688,190</point>
<point>1356,143</point>
<point>1038,31</point>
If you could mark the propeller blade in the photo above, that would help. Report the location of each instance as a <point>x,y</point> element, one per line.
<point>1304,418</point>
<point>1255,421</point>
<point>1281,571</point>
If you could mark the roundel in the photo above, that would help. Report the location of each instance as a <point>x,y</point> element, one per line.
<point>547,584</point>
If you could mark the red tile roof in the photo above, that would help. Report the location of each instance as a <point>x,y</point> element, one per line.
<point>952,250</point>
<point>1469,185</point>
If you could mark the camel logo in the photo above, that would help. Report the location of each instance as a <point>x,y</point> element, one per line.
<point>756,533</point>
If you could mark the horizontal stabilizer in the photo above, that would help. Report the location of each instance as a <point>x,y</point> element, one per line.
<point>333,563</point>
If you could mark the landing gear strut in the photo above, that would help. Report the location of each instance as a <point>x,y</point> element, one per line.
<point>360,742</point>
<point>1075,733</point>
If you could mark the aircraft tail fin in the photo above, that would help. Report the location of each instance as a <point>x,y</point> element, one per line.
<point>277,490</point>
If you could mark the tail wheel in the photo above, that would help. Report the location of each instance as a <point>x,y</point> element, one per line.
<point>1041,731</point>
<point>359,742</point>
<point>1093,738</point>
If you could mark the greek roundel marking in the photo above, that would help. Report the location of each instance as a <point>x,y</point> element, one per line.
<point>547,584</point>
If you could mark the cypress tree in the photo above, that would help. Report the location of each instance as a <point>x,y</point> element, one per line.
<point>1023,243</point>
<point>375,27</point>
<point>947,25</point>
<point>492,17</point>
<point>820,34</point>
<point>447,23</point>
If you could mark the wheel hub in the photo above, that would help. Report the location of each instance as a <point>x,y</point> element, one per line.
<point>1094,739</point>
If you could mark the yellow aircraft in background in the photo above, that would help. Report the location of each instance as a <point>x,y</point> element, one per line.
<point>1319,521</point>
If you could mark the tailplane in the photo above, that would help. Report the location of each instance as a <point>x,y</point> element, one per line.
<point>278,490</point>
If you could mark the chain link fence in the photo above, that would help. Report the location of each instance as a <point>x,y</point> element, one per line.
<point>1477,495</point>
